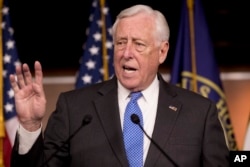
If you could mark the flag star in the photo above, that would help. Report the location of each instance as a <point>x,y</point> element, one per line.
<point>11,30</point>
<point>99,23</point>
<point>97,36</point>
<point>4,73</point>
<point>107,57</point>
<point>7,58</point>
<point>105,10</point>
<point>110,30</point>
<point>90,64</point>
<point>10,44</point>
<point>87,79</point>
<point>91,17</point>
<point>94,4</point>
<point>5,10</point>
<point>101,70</point>
<point>109,44</point>
<point>94,50</point>
<point>17,63</point>
<point>3,25</point>
<point>11,93</point>
<point>8,107</point>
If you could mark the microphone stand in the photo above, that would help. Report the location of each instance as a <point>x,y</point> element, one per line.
<point>86,120</point>
<point>135,119</point>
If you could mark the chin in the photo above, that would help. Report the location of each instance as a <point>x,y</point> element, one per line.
<point>130,84</point>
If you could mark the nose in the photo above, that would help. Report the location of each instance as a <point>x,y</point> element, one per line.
<point>128,51</point>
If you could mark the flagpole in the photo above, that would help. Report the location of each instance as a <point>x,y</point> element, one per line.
<point>2,132</point>
<point>190,5</point>
<point>104,48</point>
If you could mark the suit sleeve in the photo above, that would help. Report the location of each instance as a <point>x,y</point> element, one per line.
<point>215,150</point>
<point>32,159</point>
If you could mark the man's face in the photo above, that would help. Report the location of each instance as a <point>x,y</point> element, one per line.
<point>137,54</point>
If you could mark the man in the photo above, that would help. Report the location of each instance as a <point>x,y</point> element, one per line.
<point>183,125</point>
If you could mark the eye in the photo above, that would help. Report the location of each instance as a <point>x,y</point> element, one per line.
<point>140,46</point>
<point>121,44</point>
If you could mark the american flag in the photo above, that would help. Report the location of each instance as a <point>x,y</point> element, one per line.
<point>10,60</point>
<point>98,48</point>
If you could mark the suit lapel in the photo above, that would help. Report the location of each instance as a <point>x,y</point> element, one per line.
<point>108,112</point>
<point>167,112</point>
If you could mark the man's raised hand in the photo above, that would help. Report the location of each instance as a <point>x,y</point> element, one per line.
<point>30,100</point>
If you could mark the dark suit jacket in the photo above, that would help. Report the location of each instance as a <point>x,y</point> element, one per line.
<point>191,135</point>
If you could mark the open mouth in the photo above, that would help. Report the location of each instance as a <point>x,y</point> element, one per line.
<point>129,69</point>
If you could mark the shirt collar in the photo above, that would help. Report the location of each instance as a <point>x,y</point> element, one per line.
<point>123,93</point>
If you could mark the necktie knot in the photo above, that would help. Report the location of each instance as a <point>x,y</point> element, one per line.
<point>135,96</point>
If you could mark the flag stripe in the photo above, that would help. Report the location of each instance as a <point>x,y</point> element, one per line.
<point>11,126</point>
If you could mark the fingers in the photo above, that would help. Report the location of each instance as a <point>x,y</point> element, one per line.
<point>24,77</point>
<point>16,79</point>
<point>38,73</point>
<point>19,74</point>
<point>13,83</point>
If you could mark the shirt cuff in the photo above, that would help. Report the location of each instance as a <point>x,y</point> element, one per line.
<point>27,139</point>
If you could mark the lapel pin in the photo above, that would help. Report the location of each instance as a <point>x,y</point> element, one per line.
<point>172,108</point>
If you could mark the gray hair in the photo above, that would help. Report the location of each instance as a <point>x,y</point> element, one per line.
<point>162,29</point>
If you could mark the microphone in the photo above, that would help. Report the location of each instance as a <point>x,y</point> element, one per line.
<point>136,120</point>
<point>86,120</point>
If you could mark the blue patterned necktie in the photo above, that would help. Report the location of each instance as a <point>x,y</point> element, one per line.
<point>132,134</point>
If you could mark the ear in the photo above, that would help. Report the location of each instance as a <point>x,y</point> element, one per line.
<point>164,47</point>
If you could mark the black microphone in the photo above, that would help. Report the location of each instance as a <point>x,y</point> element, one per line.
<point>86,120</point>
<point>136,120</point>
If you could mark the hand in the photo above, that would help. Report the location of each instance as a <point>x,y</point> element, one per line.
<point>30,100</point>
